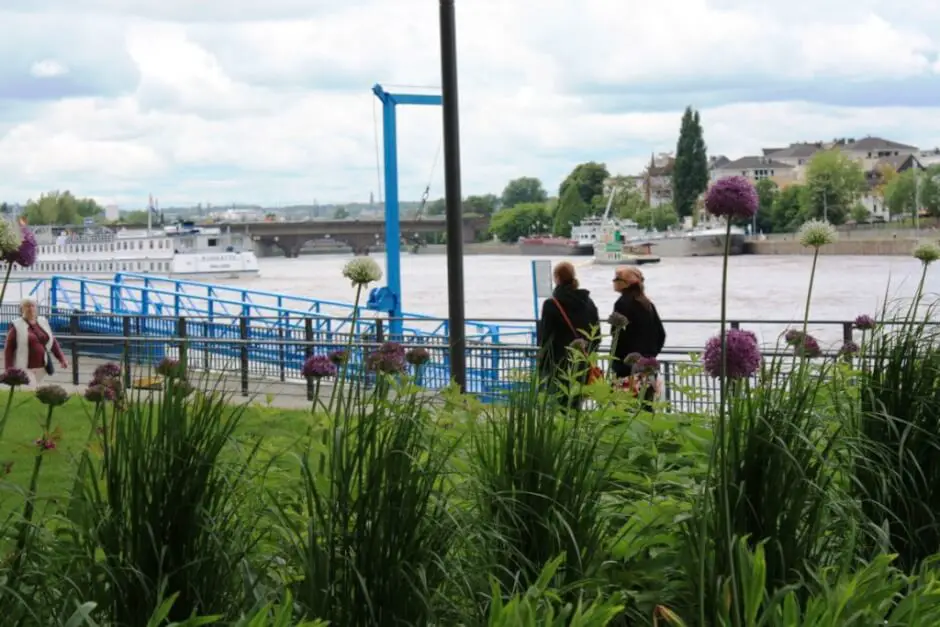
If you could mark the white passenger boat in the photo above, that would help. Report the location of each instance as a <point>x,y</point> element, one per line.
<point>184,250</point>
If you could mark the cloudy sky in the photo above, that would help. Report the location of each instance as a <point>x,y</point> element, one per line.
<point>269,101</point>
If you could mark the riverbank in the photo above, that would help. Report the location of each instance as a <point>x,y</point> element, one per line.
<point>790,245</point>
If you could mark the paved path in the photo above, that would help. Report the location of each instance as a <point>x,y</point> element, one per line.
<point>284,394</point>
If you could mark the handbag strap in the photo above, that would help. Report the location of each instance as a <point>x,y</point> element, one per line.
<point>564,315</point>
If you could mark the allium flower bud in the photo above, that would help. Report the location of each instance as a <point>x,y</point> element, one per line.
<point>52,395</point>
<point>389,359</point>
<point>849,348</point>
<point>25,255</point>
<point>617,321</point>
<point>646,366</point>
<point>106,371</point>
<point>864,323</point>
<point>169,368</point>
<point>743,354</point>
<point>732,197</point>
<point>10,238</point>
<point>816,234</point>
<point>808,348</point>
<point>417,356</point>
<point>632,358</point>
<point>318,367</point>
<point>927,253</point>
<point>14,377</point>
<point>338,357</point>
<point>793,337</point>
<point>362,271</point>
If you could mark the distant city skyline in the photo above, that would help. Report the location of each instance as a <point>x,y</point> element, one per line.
<point>269,103</point>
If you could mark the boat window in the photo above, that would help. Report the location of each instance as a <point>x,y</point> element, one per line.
<point>140,245</point>
<point>213,242</point>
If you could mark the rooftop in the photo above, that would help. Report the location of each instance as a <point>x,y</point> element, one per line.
<point>753,163</point>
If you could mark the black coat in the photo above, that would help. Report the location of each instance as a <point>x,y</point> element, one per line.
<point>554,334</point>
<point>644,334</point>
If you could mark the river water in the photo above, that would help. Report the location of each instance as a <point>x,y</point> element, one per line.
<point>759,288</point>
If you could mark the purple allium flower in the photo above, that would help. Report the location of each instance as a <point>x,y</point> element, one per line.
<point>849,348</point>
<point>169,368</point>
<point>418,356</point>
<point>25,255</point>
<point>45,443</point>
<point>318,367</point>
<point>14,377</point>
<point>632,358</point>
<point>617,321</point>
<point>109,370</point>
<point>864,322</point>
<point>338,357</point>
<point>100,393</point>
<point>389,359</point>
<point>646,366</point>
<point>808,348</point>
<point>52,395</point>
<point>793,337</point>
<point>732,197</point>
<point>743,354</point>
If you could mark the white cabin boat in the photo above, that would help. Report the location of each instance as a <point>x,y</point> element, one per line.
<point>185,251</point>
<point>619,244</point>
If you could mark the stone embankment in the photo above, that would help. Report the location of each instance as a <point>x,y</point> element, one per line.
<point>854,242</point>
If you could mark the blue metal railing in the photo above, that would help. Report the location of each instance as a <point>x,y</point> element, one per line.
<point>145,295</point>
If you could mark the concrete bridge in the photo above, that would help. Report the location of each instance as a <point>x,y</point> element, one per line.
<point>360,235</point>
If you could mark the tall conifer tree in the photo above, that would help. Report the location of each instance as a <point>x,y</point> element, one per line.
<point>690,173</point>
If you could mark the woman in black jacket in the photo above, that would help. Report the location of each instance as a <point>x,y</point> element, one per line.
<point>568,316</point>
<point>643,334</point>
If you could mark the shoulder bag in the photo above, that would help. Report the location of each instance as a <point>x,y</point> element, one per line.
<point>595,373</point>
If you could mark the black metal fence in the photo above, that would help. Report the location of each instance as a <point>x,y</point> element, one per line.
<point>248,350</point>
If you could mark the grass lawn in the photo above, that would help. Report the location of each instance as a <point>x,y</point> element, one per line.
<point>280,429</point>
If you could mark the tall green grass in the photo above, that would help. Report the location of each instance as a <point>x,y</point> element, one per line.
<point>170,514</point>
<point>366,541</point>
<point>899,395</point>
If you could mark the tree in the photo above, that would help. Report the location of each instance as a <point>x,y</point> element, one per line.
<point>61,208</point>
<point>901,194</point>
<point>571,210</point>
<point>787,213</point>
<point>519,221</point>
<point>628,203</point>
<point>930,191</point>
<point>340,214</point>
<point>884,175</point>
<point>525,189</point>
<point>767,192</point>
<point>485,205</point>
<point>436,207</point>
<point>658,218</point>
<point>690,171</point>
<point>588,179</point>
<point>860,213</point>
<point>834,183</point>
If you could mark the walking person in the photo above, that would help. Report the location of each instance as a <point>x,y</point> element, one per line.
<point>568,315</point>
<point>31,345</point>
<point>643,335</point>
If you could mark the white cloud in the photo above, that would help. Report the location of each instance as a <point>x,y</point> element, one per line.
<point>48,68</point>
<point>275,107</point>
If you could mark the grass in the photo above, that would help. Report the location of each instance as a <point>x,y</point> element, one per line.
<point>278,429</point>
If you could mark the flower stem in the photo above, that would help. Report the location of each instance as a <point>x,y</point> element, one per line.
<point>30,506</point>
<point>6,280</point>
<point>6,412</point>
<point>809,291</point>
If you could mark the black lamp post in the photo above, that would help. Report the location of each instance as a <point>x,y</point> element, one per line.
<point>453,195</point>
